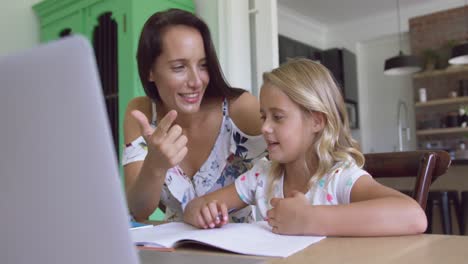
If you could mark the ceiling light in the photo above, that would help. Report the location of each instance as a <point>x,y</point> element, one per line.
<point>402,64</point>
<point>460,52</point>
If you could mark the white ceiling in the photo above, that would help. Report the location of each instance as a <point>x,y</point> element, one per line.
<point>333,12</point>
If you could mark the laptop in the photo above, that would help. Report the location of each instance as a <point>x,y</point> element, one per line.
<point>61,199</point>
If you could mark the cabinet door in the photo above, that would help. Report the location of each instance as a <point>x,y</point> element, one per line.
<point>65,25</point>
<point>182,4</point>
<point>287,49</point>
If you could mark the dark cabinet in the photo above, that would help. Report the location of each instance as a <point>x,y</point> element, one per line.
<point>341,63</point>
<point>289,48</point>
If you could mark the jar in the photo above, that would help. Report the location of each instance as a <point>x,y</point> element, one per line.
<point>452,94</point>
<point>451,120</point>
<point>462,118</point>
<point>422,95</point>
<point>463,88</point>
<point>461,152</point>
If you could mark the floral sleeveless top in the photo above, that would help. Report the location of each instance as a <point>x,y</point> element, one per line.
<point>232,154</point>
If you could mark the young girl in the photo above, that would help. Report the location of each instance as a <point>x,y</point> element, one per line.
<point>314,184</point>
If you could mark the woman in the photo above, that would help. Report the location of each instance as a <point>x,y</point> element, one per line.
<point>202,133</point>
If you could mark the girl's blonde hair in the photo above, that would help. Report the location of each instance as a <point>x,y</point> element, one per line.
<point>311,86</point>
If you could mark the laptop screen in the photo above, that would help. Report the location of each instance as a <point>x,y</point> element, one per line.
<point>60,195</point>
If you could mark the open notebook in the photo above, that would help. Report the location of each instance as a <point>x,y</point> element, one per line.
<point>251,239</point>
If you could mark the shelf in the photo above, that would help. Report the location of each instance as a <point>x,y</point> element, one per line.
<point>439,131</point>
<point>445,101</point>
<point>434,73</point>
<point>459,162</point>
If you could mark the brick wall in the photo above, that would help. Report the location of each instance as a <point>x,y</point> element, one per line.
<point>435,30</point>
<point>438,32</point>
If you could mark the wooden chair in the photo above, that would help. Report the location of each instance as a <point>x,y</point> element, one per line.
<point>425,165</point>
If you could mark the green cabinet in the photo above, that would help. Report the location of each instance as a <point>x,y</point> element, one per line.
<point>113,28</point>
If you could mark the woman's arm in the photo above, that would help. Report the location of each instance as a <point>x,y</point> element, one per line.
<point>142,192</point>
<point>245,112</point>
<point>375,210</point>
<point>211,210</point>
<point>166,147</point>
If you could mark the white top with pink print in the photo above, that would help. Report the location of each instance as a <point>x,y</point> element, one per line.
<point>333,188</point>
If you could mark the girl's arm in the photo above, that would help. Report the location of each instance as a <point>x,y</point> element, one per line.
<point>211,210</point>
<point>375,210</point>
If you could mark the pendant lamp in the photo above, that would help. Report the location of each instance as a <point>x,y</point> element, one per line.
<point>460,52</point>
<point>401,64</point>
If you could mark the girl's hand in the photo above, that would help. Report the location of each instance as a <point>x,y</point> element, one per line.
<point>287,217</point>
<point>167,146</point>
<point>203,214</point>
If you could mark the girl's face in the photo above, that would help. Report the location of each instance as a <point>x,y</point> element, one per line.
<point>180,73</point>
<point>288,130</point>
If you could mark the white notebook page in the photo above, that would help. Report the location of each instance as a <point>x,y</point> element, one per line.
<point>251,239</point>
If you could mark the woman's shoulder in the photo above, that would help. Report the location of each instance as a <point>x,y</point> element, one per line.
<point>244,111</point>
<point>131,126</point>
<point>142,104</point>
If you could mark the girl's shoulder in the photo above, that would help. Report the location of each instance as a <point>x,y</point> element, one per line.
<point>345,171</point>
<point>345,166</point>
<point>260,170</point>
<point>262,165</point>
<point>244,111</point>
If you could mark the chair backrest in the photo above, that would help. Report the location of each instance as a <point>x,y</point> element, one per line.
<point>425,165</point>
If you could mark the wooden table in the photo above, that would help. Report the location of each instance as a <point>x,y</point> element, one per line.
<point>424,249</point>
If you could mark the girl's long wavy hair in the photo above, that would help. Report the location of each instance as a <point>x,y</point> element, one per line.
<point>311,86</point>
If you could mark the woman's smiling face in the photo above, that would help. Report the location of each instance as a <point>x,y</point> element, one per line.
<point>180,73</point>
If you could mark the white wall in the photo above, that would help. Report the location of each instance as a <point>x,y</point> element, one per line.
<point>208,10</point>
<point>234,42</point>
<point>242,59</point>
<point>379,95</point>
<point>301,28</point>
<point>19,26</point>
<point>229,24</point>
<point>265,55</point>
